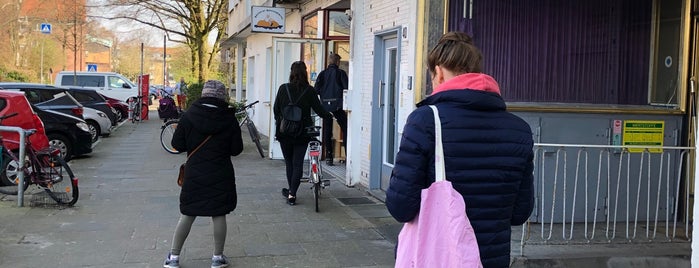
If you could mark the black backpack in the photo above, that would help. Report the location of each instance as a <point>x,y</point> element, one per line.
<point>291,124</point>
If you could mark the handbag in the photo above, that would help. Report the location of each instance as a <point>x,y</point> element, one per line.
<point>180,176</point>
<point>441,234</point>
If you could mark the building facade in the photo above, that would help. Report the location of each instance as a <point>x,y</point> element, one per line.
<point>581,73</point>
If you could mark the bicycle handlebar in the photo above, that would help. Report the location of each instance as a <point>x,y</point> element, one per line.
<point>250,105</point>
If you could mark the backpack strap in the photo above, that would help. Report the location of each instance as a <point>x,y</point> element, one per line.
<point>289,94</point>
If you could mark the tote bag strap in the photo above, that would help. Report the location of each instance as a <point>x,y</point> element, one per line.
<point>439,170</point>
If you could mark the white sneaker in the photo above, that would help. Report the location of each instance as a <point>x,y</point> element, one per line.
<point>217,262</point>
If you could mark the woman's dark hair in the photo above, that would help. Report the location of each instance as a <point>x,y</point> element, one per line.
<point>455,52</point>
<point>298,75</point>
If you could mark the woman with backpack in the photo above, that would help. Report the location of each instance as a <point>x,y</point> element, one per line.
<point>292,115</point>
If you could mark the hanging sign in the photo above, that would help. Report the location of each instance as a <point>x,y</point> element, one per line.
<point>268,19</point>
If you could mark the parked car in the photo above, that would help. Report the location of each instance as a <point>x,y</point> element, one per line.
<point>121,107</point>
<point>26,118</point>
<point>47,97</point>
<point>68,133</point>
<point>92,99</point>
<point>98,123</point>
<point>153,92</point>
<point>113,85</point>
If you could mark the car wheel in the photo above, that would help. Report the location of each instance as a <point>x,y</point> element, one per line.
<point>62,144</point>
<point>9,170</point>
<point>95,130</point>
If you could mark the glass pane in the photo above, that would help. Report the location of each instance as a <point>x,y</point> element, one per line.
<point>338,24</point>
<point>342,48</point>
<point>666,67</point>
<point>310,27</point>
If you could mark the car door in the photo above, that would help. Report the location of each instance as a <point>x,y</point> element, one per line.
<point>119,88</point>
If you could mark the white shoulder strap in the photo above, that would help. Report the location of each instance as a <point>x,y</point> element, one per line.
<point>439,170</point>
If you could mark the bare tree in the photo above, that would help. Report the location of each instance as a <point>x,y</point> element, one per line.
<point>9,19</point>
<point>184,21</point>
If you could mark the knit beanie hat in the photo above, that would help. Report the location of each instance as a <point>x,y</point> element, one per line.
<point>215,89</point>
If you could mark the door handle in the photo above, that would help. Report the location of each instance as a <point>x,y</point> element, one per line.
<point>381,85</point>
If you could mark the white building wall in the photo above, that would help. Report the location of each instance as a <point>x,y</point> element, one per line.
<point>370,17</point>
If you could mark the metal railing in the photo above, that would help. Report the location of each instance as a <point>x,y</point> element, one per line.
<point>610,194</point>
<point>20,175</point>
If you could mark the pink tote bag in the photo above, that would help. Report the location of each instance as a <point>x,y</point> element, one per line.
<point>441,234</point>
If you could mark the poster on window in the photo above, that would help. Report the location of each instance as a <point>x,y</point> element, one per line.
<point>268,19</point>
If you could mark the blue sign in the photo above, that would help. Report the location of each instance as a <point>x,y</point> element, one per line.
<point>46,28</point>
<point>92,67</point>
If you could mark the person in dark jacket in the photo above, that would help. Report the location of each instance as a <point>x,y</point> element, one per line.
<point>209,186</point>
<point>294,148</point>
<point>488,151</point>
<point>330,85</point>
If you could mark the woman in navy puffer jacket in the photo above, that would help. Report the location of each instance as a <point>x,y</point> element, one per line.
<point>487,150</point>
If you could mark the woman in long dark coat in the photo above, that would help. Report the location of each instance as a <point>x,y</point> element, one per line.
<point>209,185</point>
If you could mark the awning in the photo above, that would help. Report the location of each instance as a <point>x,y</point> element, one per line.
<point>236,38</point>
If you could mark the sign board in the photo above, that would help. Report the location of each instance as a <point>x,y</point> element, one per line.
<point>268,19</point>
<point>92,67</point>
<point>144,82</point>
<point>644,133</point>
<point>45,28</point>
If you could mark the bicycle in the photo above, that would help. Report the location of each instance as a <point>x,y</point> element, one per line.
<point>44,168</point>
<point>244,115</point>
<point>166,132</point>
<point>135,107</point>
<point>315,168</point>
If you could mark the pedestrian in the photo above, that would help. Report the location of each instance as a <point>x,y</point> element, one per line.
<point>488,151</point>
<point>330,85</point>
<point>209,187</point>
<point>294,148</point>
<point>167,89</point>
<point>181,94</point>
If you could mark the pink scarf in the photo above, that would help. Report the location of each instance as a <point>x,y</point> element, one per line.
<point>473,81</point>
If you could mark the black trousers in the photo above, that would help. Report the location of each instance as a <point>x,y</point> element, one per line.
<point>293,153</point>
<point>341,117</point>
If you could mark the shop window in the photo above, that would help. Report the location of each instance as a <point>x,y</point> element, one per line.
<point>310,26</point>
<point>338,24</point>
<point>579,51</point>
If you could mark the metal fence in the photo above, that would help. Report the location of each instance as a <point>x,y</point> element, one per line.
<point>610,194</point>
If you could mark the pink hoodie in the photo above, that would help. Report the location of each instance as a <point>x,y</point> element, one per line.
<point>474,81</point>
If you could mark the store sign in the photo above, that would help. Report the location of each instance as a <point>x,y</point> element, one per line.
<point>268,19</point>
<point>644,133</point>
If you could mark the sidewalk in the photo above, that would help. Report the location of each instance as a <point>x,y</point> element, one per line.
<point>128,209</point>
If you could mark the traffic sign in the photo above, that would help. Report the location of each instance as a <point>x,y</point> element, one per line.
<point>46,28</point>
<point>92,67</point>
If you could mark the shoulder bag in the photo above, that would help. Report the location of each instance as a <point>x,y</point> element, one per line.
<point>180,176</point>
<point>441,234</point>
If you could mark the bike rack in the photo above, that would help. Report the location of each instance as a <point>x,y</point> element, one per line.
<point>20,175</point>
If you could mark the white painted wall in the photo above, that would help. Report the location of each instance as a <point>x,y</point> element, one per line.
<point>370,17</point>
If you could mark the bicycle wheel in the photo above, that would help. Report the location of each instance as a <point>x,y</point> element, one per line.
<point>166,136</point>
<point>9,174</point>
<point>255,136</point>
<point>136,113</point>
<point>58,180</point>
<point>316,193</point>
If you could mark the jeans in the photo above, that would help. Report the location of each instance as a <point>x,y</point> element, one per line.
<point>294,154</point>
<point>341,117</point>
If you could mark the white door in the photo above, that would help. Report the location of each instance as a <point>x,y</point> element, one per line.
<point>285,52</point>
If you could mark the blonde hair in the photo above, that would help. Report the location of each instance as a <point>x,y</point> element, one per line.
<point>456,52</point>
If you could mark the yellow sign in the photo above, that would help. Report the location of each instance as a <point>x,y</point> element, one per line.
<point>643,133</point>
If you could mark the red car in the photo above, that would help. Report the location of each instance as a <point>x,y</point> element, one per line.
<point>26,118</point>
<point>121,107</point>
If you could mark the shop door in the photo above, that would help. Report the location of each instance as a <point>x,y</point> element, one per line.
<point>285,52</point>
<point>384,131</point>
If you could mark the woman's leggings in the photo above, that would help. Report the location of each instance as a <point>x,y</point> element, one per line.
<point>294,154</point>
<point>185,224</point>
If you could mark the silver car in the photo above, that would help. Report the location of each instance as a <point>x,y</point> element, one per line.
<point>98,122</point>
